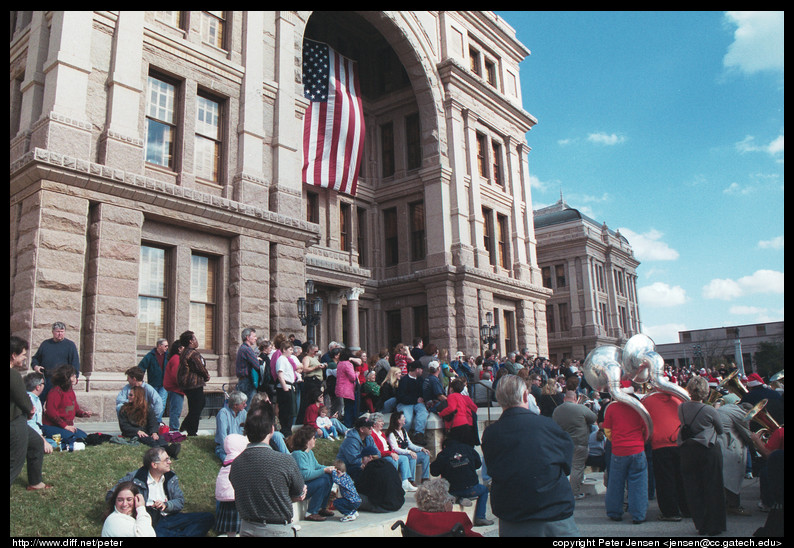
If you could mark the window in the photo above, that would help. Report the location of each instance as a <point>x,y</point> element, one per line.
<point>394,327</point>
<point>602,308</point>
<point>490,72</point>
<point>413,142</point>
<point>760,330</point>
<point>546,272</point>
<point>152,295</point>
<point>208,138</point>
<point>387,149</point>
<point>421,324</point>
<point>482,144</point>
<point>202,299</point>
<point>487,234</point>
<point>345,230</point>
<point>559,271</point>
<point>550,319</point>
<point>391,250</point>
<point>361,218</point>
<point>418,244</point>
<point>599,272</point>
<point>173,18</point>
<point>509,330</point>
<point>213,24</point>
<point>504,242</point>
<point>623,319</point>
<point>312,207</point>
<point>565,322</point>
<point>474,57</point>
<point>161,122</point>
<point>496,150</point>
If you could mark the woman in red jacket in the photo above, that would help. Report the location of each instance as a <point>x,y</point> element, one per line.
<point>61,407</point>
<point>459,414</point>
<point>176,398</point>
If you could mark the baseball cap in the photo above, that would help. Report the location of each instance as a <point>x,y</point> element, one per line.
<point>459,354</point>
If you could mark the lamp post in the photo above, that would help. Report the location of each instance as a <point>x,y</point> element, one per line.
<point>310,315</point>
<point>697,352</point>
<point>489,332</point>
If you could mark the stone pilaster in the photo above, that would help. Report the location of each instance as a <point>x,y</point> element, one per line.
<point>48,283</point>
<point>111,293</point>
<point>248,291</point>
<point>287,273</point>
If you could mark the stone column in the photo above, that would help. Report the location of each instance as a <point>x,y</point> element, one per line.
<point>250,178</point>
<point>287,271</point>
<point>111,293</point>
<point>354,344</point>
<point>249,288</point>
<point>32,87</point>
<point>50,247</point>
<point>120,145</point>
<point>64,127</point>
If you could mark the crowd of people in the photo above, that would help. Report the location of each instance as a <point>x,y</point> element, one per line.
<point>287,396</point>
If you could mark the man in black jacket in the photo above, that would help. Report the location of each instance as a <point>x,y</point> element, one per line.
<point>528,457</point>
<point>458,463</point>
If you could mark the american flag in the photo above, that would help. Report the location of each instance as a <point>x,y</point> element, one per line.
<point>333,128</point>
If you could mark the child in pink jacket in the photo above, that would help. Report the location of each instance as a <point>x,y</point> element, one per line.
<point>227,520</point>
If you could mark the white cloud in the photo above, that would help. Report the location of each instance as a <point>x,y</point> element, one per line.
<point>665,333</point>
<point>648,246</point>
<point>757,42</point>
<point>774,243</point>
<point>660,294</point>
<point>774,148</point>
<point>746,310</point>
<point>605,139</point>
<point>722,289</point>
<point>761,281</point>
<point>736,189</point>
<point>563,142</point>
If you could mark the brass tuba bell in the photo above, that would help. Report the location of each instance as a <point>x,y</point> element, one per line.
<point>603,371</point>
<point>732,384</point>
<point>761,416</point>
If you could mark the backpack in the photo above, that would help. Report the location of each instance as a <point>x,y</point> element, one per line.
<point>686,432</point>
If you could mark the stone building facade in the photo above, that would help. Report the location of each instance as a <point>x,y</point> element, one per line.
<point>591,270</point>
<point>155,185</point>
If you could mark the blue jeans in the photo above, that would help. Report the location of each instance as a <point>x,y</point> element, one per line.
<point>480,492</point>
<point>403,466</point>
<point>175,404</point>
<point>631,470</point>
<point>277,442</point>
<point>415,416</point>
<point>317,492</point>
<point>388,405</point>
<point>345,506</point>
<point>422,458</point>
<point>163,393</point>
<point>66,436</point>
<point>192,524</point>
<point>336,429</point>
<point>538,528</point>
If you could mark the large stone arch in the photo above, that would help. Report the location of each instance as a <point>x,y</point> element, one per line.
<point>404,33</point>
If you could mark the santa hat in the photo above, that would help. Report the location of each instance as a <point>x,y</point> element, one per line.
<point>754,380</point>
<point>713,382</point>
<point>626,386</point>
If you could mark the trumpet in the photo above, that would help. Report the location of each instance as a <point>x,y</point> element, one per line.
<point>761,416</point>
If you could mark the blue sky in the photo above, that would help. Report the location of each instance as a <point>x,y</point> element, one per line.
<point>669,127</point>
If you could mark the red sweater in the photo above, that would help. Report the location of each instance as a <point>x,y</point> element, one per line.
<point>382,445</point>
<point>663,408</point>
<point>462,406</point>
<point>628,429</point>
<point>169,378</point>
<point>312,412</point>
<point>61,408</point>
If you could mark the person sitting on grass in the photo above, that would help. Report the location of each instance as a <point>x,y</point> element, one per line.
<point>138,422</point>
<point>164,498</point>
<point>61,407</point>
<point>227,519</point>
<point>329,428</point>
<point>126,515</point>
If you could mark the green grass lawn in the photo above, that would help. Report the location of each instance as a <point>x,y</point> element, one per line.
<point>75,507</point>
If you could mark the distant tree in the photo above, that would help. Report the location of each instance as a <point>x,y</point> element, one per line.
<point>769,358</point>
